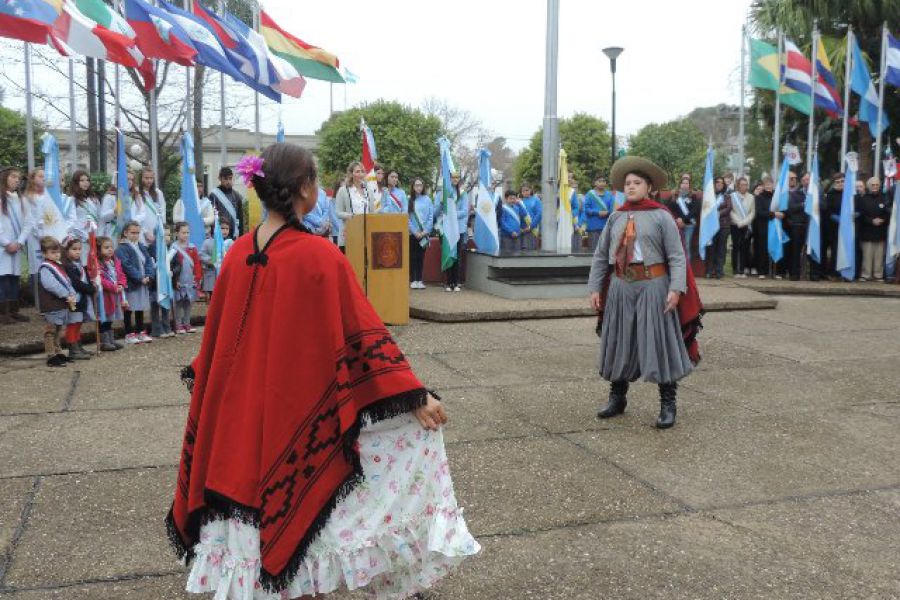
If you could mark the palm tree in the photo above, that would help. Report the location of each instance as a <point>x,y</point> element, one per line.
<point>796,19</point>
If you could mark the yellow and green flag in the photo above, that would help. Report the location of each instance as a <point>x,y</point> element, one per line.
<point>765,73</point>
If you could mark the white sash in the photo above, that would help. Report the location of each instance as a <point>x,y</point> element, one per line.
<point>229,207</point>
<point>683,206</point>
<point>739,204</point>
<point>509,210</point>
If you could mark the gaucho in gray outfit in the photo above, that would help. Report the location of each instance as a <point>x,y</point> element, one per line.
<point>638,277</point>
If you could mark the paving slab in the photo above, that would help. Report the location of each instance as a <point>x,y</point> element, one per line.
<point>853,539</point>
<point>430,338</point>
<point>37,394</point>
<point>831,315</point>
<point>570,332</point>
<point>77,441</point>
<point>481,414</point>
<point>718,353</point>
<point>14,494</point>
<point>688,556</point>
<point>812,346</point>
<point>820,288</point>
<point>758,457</point>
<point>517,366</point>
<point>110,525</point>
<point>435,373</point>
<point>538,483</point>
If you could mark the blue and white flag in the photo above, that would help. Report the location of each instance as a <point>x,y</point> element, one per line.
<point>209,49</point>
<point>487,236</point>
<point>813,235</point>
<point>190,198</point>
<point>164,289</point>
<point>123,193</point>
<point>709,211</point>
<point>777,237</point>
<point>279,135</point>
<point>618,200</point>
<point>52,174</point>
<point>846,250</point>
<point>861,84</point>
<point>350,77</point>
<point>893,239</point>
<point>892,70</point>
<point>218,245</point>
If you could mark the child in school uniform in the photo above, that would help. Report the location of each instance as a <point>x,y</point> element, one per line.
<point>56,297</point>
<point>15,226</point>
<point>512,219</point>
<point>112,282</point>
<point>186,276</point>
<point>208,258</point>
<point>139,272</point>
<point>84,298</point>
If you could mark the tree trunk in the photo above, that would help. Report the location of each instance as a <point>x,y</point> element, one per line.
<point>93,146</point>
<point>199,76</point>
<point>101,114</point>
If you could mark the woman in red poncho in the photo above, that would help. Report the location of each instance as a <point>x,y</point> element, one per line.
<point>313,458</point>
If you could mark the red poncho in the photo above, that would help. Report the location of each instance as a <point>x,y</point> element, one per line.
<point>690,307</point>
<point>293,359</point>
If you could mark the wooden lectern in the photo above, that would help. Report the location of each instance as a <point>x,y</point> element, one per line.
<point>377,247</point>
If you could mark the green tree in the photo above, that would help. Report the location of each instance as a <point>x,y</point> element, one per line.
<point>586,140</point>
<point>14,150</point>
<point>676,146</point>
<point>406,140</point>
<point>796,18</point>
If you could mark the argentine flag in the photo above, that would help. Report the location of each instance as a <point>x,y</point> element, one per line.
<point>123,193</point>
<point>813,238</point>
<point>777,237</point>
<point>487,237</point>
<point>190,198</point>
<point>50,150</point>
<point>164,289</point>
<point>709,213</point>
<point>846,250</point>
<point>279,136</point>
<point>893,240</point>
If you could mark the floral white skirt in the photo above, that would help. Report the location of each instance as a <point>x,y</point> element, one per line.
<point>397,534</point>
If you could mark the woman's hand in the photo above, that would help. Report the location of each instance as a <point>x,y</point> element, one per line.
<point>432,415</point>
<point>672,301</point>
<point>779,215</point>
<point>595,301</point>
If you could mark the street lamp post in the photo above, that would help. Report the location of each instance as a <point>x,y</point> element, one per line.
<point>613,53</point>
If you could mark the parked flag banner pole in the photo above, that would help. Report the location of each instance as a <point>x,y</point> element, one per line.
<point>550,150</point>
<point>814,78</point>
<point>845,128</point>
<point>29,120</point>
<point>777,135</point>
<point>884,50</point>
<point>741,132</point>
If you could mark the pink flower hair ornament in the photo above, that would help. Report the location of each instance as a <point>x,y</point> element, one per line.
<point>249,166</point>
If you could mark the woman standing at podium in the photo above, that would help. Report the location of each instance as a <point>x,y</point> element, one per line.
<point>353,198</point>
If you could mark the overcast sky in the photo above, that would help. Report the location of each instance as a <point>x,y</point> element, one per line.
<point>488,56</point>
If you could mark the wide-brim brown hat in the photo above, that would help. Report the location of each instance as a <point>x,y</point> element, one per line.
<point>636,164</point>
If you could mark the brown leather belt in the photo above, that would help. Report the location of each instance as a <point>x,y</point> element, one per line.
<point>642,272</point>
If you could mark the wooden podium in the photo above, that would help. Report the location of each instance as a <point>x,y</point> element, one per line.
<point>377,247</point>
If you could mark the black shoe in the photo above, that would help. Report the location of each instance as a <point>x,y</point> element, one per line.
<point>617,401</point>
<point>667,395</point>
<point>65,358</point>
<point>57,360</point>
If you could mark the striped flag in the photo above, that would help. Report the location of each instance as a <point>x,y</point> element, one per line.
<point>91,28</point>
<point>190,198</point>
<point>827,96</point>
<point>486,234</point>
<point>813,236</point>
<point>164,289</point>
<point>28,20</point>
<point>892,63</point>
<point>709,211</point>
<point>846,250</point>
<point>777,237</point>
<point>449,221</point>
<point>52,173</point>
<point>893,240</point>
<point>765,73</point>
<point>309,60</point>
<point>369,155</point>
<point>861,84</point>
<point>218,244</point>
<point>123,194</point>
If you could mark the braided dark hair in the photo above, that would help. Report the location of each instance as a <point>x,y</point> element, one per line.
<point>287,168</point>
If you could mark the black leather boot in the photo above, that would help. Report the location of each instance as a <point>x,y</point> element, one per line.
<point>617,402</point>
<point>667,394</point>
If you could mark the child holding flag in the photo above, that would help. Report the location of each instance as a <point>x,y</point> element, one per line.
<point>211,255</point>
<point>112,282</point>
<point>56,297</point>
<point>187,275</point>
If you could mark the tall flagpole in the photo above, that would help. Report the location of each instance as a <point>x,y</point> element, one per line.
<point>845,129</point>
<point>777,134</point>
<point>884,47</point>
<point>189,100</point>
<point>741,133</point>
<point>73,135</point>
<point>814,74</point>
<point>29,121</point>
<point>256,94</point>
<point>550,166</point>
<point>330,98</point>
<point>154,135</point>
<point>223,150</point>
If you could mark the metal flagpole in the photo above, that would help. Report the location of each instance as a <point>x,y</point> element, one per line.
<point>551,131</point>
<point>154,136</point>
<point>29,121</point>
<point>741,132</point>
<point>73,136</point>
<point>223,150</point>
<point>188,103</point>
<point>884,47</point>
<point>777,133</point>
<point>811,132</point>
<point>256,94</point>
<point>845,129</point>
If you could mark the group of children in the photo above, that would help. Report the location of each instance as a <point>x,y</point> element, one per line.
<point>116,280</point>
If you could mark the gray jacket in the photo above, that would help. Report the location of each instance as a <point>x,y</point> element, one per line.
<point>658,238</point>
